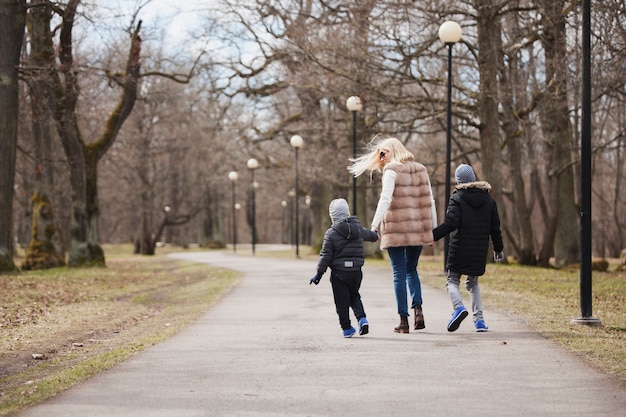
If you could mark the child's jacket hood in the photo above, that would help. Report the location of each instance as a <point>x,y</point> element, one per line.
<point>349,229</point>
<point>476,193</point>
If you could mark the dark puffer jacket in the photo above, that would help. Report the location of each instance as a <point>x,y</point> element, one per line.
<point>343,246</point>
<point>474,215</point>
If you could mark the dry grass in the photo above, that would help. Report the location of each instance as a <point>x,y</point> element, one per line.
<point>83,321</point>
<point>547,300</point>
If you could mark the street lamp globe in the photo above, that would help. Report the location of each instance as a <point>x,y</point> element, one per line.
<point>233,176</point>
<point>296,141</point>
<point>450,32</point>
<point>354,103</point>
<point>252,163</point>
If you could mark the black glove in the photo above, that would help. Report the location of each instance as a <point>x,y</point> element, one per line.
<point>498,256</point>
<point>315,280</point>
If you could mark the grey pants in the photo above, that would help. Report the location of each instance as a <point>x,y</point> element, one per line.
<point>471,284</point>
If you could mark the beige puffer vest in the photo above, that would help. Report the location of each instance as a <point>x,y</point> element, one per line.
<point>408,220</point>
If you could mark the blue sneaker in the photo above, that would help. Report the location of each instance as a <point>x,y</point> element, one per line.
<point>481,326</point>
<point>349,332</point>
<point>457,317</point>
<point>364,326</point>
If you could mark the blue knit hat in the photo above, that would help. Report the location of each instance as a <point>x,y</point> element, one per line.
<point>338,210</point>
<point>464,173</point>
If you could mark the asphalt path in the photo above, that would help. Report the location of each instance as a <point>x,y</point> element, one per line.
<point>273,347</point>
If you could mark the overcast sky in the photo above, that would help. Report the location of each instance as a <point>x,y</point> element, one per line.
<point>176,23</point>
<point>177,17</point>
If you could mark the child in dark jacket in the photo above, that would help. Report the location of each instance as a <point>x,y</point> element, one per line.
<point>473,214</point>
<point>342,252</point>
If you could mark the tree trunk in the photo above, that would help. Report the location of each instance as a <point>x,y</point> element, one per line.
<point>489,59</point>
<point>145,241</point>
<point>321,191</point>
<point>44,249</point>
<point>12,23</point>
<point>558,133</point>
<point>513,97</point>
<point>85,249</point>
<point>546,249</point>
<point>211,233</point>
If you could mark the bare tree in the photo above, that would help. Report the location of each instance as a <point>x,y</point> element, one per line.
<point>295,63</point>
<point>557,129</point>
<point>12,23</point>
<point>286,68</point>
<point>83,157</point>
<point>44,249</point>
<point>609,128</point>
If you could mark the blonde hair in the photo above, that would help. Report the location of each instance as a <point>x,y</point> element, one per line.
<point>371,161</point>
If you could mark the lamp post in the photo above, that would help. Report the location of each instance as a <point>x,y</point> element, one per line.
<point>233,176</point>
<point>166,210</point>
<point>449,33</point>
<point>307,220</point>
<point>292,197</point>
<point>252,165</point>
<point>283,229</point>
<point>297,142</point>
<point>354,104</point>
<point>585,176</point>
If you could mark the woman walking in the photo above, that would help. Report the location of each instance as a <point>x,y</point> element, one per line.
<point>404,219</point>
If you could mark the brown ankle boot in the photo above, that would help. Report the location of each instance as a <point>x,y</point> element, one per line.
<point>419,318</point>
<point>403,327</point>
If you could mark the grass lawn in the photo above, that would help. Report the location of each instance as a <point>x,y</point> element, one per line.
<point>547,300</point>
<point>61,326</point>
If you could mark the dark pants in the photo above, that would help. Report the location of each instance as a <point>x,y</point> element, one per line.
<point>346,285</point>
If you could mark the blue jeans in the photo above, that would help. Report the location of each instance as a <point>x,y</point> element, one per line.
<point>404,264</point>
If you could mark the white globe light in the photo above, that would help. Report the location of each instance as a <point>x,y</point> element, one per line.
<point>253,163</point>
<point>450,32</point>
<point>354,103</point>
<point>296,141</point>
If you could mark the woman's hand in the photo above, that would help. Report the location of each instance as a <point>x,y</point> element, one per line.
<point>375,230</point>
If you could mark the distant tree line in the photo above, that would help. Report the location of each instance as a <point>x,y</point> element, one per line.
<point>116,133</point>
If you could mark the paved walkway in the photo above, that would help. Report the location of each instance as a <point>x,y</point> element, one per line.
<point>273,347</point>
